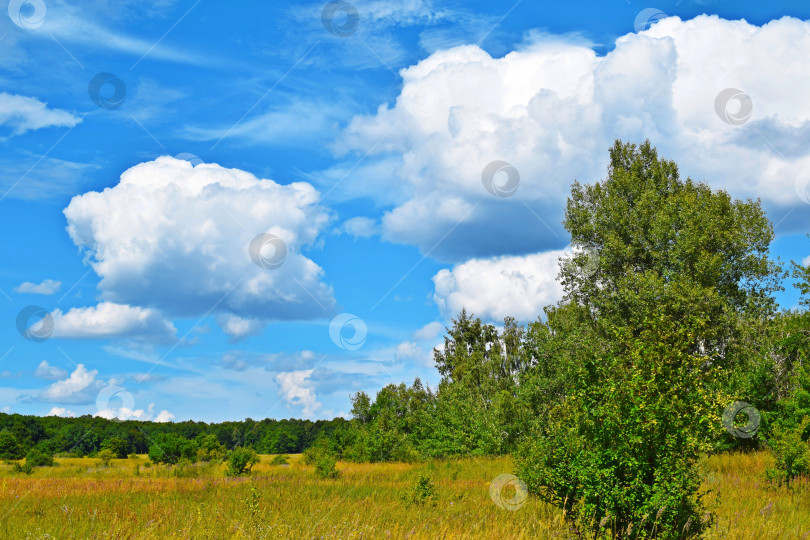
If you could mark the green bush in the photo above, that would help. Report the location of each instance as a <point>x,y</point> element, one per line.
<point>422,492</point>
<point>791,453</point>
<point>185,468</point>
<point>280,459</point>
<point>325,465</point>
<point>311,454</point>
<point>106,456</point>
<point>25,468</point>
<point>210,449</point>
<point>35,458</point>
<point>323,458</point>
<point>171,448</point>
<point>241,460</point>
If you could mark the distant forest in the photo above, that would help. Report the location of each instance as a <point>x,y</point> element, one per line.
<point>87,435</point>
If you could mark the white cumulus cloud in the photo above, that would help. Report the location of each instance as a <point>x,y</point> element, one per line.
<point>47,287</point>
<point>296,388</point>
<point>46,371</point>
<point>127,413</point>
<point>61,411</point>
<point>429,332</point>
<point>553,107</point>
<point>360,227</point>
<point>175,237</point>
<point>516,286</point>
<point>164,416</point>
<point>240,327</point>
<point>110,320</point>
<point>78,388</point>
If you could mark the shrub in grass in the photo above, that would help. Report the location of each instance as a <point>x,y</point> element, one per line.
<point>422,492</point>
<point>280,459</point>
<point>35,458</point>
<point>26,468</point>
<point>791,453</point>
<point>325,465</point>
<point>106,455</point>
<point>210,449</point>
<point>185,469</point>
<point>310,455</point>
<point>240,461</point>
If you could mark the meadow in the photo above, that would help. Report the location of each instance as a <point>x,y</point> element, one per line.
<point>81,498</point>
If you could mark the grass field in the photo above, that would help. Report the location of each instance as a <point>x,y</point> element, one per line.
<point>82,499</point>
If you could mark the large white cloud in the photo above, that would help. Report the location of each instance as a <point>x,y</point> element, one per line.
<point>552,109</point>
<point>516,286</point>
<point>175,237</point>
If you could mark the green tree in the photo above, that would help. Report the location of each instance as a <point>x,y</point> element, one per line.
<point>361,407</point>
<point>171,448</point>
<point>106,455</point>
<point>283,442</point>
<point>665,273</point>
<point>209,448</point>
<point>9,447</point>
<point>241,460</point>
<point>35,458</point>
<point>117,446</point>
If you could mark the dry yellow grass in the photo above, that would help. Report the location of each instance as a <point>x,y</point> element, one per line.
<point>81,499</point>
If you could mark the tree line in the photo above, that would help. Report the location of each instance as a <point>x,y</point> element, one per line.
<point>88,435</point>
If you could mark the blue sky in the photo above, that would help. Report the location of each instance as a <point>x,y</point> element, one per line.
<point>147,145</point>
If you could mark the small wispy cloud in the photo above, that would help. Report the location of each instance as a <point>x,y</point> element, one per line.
<point>23,113</point>
<point>46,287</point>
